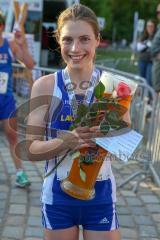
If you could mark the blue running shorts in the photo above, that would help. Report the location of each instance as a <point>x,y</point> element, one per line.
<point>95,217</point>
<point>7,107</point>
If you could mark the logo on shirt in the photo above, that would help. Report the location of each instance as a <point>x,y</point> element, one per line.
<point>66,118</point>
<point>3,58</point>
<point>104,220</point>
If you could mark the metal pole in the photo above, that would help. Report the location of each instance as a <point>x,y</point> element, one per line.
<point>135,34</point>
<point>9,18</point>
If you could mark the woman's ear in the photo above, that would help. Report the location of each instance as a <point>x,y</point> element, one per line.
<point>98,40</point>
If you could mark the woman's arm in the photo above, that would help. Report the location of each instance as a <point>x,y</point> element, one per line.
<point>38,149</point>
<point>20,50</point>
<point>141,46</point>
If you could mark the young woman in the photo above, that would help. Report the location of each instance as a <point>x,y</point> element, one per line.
<point>78,36</point>
<point>144,48</point>
<point>17,48</point>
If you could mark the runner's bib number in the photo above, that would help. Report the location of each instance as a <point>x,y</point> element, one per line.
<point>3,82</point>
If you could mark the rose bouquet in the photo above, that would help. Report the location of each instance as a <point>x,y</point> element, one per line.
<point>112,98</point>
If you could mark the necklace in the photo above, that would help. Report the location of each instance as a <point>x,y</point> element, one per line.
<point>88,93</point>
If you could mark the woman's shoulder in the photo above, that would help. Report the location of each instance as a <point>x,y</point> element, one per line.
<point>44,85</point>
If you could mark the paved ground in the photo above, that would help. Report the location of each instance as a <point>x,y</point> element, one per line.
<point>139,214</point>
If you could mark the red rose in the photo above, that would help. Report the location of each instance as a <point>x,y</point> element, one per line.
<point>123,90</point>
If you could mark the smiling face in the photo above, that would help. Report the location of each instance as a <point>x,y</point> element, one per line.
<point>78,43</point>
<point>150,27</point>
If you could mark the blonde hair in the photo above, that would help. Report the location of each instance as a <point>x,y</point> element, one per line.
<point>74,13</point>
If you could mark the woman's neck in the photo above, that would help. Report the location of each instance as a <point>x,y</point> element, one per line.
<point>80,78</point>
<point>79,75</point>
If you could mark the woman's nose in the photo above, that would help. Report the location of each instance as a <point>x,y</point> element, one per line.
<point>75,46</point>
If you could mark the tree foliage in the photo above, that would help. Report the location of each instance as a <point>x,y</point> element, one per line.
<point>119,15</point>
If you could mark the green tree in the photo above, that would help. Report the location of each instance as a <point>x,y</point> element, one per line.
<point>119,15</point>
<point>102,8</point>
<point>116,14</point>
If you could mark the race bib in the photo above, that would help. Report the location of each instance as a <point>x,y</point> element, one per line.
<point>3,82</point>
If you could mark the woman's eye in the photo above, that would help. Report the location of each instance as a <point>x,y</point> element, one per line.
<point>67,40</point>
<point>85,39</point>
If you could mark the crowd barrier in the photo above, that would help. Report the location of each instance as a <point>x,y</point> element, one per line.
<point>135,77</point>
<point>145,117</point>
<point>24,78</point>
<point>143,109</point>
<point>155,144</point>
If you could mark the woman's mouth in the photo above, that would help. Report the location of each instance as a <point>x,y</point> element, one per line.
<point>76,57</point>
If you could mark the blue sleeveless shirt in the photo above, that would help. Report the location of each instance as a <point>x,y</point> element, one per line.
<point>60,118</point>
<point>6,65</point>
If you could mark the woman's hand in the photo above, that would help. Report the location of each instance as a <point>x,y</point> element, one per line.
<point>19,38</point>
<point>81,137</point>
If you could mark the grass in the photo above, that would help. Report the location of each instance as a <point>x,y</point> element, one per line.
<point>113,54</point>
<point>117,58</point>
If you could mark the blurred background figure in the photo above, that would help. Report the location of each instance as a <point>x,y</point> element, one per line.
<point>17,48</point>
<point>155,50</point>
<point>50,55</point>
<point>144,49</point>
<point>44,51</point>
<point>54,50</point>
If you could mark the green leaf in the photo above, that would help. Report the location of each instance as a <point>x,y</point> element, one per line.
<point>75,154</point>
<point>99,90</point>
<point>82,110</point>
<point>71,127</point>
<point>88,159</point>
<point>88,120</point>
<point>105,127</point>
<point>119,125</point>
<point>122,124</point>
<point>112,116</point>
<point>77,120</point>
<point>82,174</point>
<point>102,105</point>
<point>93,114</point>
<point>94,107</point>
<point>121,109</point>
